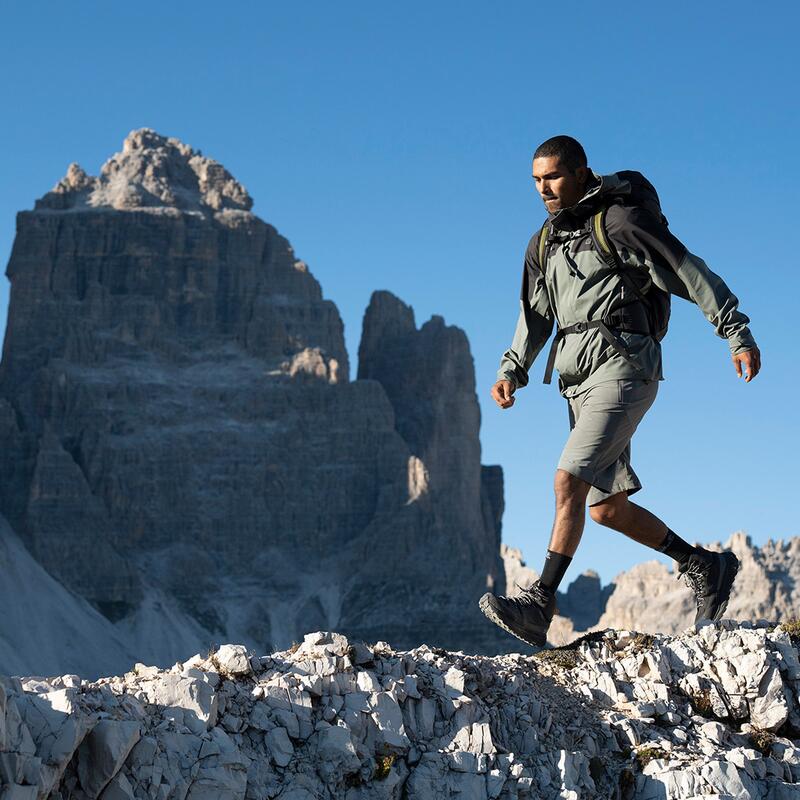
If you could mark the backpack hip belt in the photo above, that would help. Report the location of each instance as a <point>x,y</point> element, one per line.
<point>614,320</point>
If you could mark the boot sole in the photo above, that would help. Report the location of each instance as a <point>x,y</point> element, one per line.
<point>732,566</point>
<point>487,609</point>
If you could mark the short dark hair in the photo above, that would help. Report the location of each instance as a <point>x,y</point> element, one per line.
<point>569,151</point>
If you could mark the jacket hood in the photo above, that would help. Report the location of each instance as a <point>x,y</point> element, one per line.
<point>574,217</point>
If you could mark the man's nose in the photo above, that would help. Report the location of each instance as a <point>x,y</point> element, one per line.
<point>544,187</point>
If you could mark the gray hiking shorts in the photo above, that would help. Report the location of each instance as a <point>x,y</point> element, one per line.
<point>602,421</point>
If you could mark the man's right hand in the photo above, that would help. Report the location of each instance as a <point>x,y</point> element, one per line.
<point>502,392</point>
<point>751,361</point>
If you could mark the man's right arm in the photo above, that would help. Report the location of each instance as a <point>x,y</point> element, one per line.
<point>534,324</point>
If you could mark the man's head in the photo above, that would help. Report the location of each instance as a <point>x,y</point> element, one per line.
<point>561,172</point>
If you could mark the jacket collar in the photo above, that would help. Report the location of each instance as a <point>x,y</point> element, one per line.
<point>574,217</point>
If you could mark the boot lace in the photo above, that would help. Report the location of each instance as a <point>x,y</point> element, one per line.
<point>696,574</point>
<point>533,594</point>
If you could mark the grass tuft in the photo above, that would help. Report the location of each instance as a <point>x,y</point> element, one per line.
<point>792,627</point>
<point>568,659</point>
<point>648,754</point>
<point>643,641</point>
<point>384,766</point>
<point>702,703</point>
<point>762,741</point>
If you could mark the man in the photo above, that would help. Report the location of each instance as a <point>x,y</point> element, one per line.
<point>611,304</point>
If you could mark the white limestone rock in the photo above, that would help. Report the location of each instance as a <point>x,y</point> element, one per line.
<point>769,710</point>
<point>728,779</point>
<point>388,719</point>
<point>335,752</point>
<point>508,726</point>
<point>102,752</point>
<point>13,791</point>
<point>280,746</point>
<point>186,701</point>
<point>119,788</point>
<point>232,659</point>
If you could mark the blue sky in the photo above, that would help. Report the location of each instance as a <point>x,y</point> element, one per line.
<point>392,145</point>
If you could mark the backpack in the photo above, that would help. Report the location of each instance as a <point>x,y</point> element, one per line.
<point>635,190</point>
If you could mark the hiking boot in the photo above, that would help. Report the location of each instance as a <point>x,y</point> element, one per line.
<point>710,576</point>
<point>527,616</point>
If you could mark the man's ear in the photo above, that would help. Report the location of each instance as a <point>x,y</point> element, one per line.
<point>582,174</point>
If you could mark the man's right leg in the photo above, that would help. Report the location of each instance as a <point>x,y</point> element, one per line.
<point>528,615</point>
<point>597,421</point>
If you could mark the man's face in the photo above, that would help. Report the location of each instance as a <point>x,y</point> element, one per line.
<point>558,186</point>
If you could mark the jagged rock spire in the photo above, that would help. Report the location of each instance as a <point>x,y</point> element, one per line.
<point>152,171</point>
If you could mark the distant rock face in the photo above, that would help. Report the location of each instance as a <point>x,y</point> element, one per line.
<point>429,377</point>
<point>185,449</point>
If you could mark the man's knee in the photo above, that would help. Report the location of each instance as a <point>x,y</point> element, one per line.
<point>608,512</point>
<point>570,489</point>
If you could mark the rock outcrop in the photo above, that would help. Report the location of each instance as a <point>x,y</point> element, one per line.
<point>429,377</point>
<point>712,712</point>
<point>184,448</point>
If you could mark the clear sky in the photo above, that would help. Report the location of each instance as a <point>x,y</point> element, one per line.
<point>391,144</point>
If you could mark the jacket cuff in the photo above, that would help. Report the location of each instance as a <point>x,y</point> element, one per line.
<point>741,341</point>
<point>509,376</point>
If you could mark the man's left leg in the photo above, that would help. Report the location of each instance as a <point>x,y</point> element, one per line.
<point>710,575</point>
<point>620,514</point>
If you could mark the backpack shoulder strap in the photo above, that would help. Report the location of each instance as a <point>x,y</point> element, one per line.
<point>543,246</point>
<point>603,244</point>
<point>601,240</point>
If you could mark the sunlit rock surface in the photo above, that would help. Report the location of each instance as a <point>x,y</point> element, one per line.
<point>712,712</point>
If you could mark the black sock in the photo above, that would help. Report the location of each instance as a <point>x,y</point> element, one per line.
<point>676,548</point>
<point>555,565</point>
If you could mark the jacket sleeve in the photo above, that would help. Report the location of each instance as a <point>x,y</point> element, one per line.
<point>534,323</point>
<point>650,238</point>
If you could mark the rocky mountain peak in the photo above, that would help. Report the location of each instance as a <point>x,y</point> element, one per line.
<point>154,172</point>
<point>178,426</point>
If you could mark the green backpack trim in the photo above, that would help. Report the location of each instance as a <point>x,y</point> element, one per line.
<point>543,246</point>
<point>599,238</point>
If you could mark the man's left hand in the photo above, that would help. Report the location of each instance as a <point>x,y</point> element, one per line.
<point>750,360</point>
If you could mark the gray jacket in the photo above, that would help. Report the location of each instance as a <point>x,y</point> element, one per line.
<point>578,286</point>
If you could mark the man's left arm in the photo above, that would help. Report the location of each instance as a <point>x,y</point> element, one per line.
<point>642,232</point>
